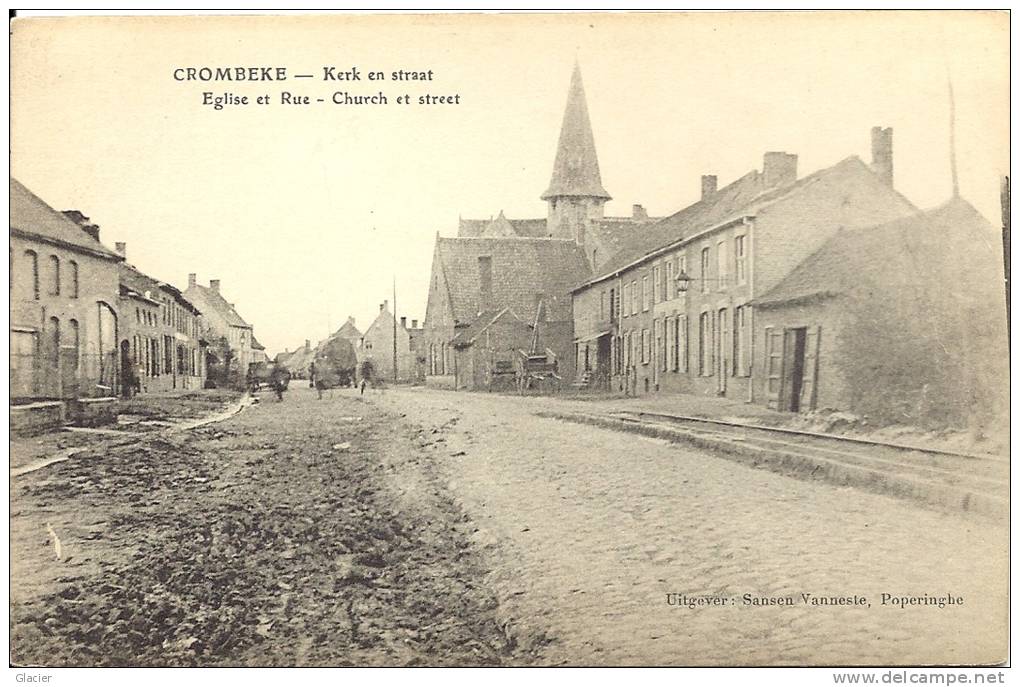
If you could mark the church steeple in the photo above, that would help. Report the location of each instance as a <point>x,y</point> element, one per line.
<point>576,170</point>
<point>575,194</point>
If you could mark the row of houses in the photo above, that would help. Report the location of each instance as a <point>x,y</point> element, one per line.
<point>376,344</point>
<point>799,292</point>
<point>88,326</point>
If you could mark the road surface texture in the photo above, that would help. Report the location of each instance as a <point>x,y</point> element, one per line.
<point>414,526</point>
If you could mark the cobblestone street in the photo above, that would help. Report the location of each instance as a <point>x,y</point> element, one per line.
<point>411,526</point>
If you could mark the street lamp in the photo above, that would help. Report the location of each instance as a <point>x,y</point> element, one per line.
<point>682,282</point>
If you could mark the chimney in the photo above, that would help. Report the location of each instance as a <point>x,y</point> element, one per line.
<point>84,222</point>
<point>192,279</point>
<point>779,169</point>
<point>403,322</point>
<point>881,153</point>
<point>308,345</point>
<point>214,284</point>
<point>414,324</point>
<point>637,211</point>
<point>121,248</point>
<point>709,183</point>
<point>382,306</point>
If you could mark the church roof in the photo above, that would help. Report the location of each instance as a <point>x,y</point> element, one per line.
<point>521,227</point>
<point>576,169</point>
<point>523,270</point>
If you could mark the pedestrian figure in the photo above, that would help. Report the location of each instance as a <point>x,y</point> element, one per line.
<point>362,386</point>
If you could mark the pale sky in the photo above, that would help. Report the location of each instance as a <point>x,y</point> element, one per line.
<point>306,213</point>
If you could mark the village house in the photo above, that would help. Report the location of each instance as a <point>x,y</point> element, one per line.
<point>64,322</point>
<point>673,311</point>
<point>904,322</point>
<point>377,346</point>
<point>223,324</point>
<point>519,264</point>
<point>161,345</point>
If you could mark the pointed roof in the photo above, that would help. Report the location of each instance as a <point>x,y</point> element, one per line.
<point>576,170</point>
<point>32,217</point>
<point>348,330</point>
<point>499,227</point>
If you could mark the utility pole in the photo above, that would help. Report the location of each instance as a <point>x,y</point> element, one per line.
<point>394,328</point>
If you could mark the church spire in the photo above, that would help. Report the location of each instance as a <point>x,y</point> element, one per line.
<point>576,170</point>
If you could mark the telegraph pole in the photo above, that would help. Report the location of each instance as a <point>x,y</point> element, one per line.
<point>394,328</point>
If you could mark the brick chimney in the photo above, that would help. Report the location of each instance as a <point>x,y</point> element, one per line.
<point>308,344</point>
<point>192,279</point>
<point>403,322</point>
<point>414,324</point>
<point>214,284</point>
<point>382,306</point>
<point>709,183</point>
<point>779,169</point>
<point>637,211</point>
<point>121,248</point>
<point>881,153</point>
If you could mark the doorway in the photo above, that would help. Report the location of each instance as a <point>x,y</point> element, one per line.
<point>794,347</point>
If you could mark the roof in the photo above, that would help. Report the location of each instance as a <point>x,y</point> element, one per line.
<point>899,250</point>
<point>521,227</point>
<point>576,169</point>
<point>212,298</point>
<point>348,330</point>
<point>256,345</point>
<point>32,217</point>
<point>742,198</point>
<point>466,336</point>
<point>136,282</point>
<point>523,269</point>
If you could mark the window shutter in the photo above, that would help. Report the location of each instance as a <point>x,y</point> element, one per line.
<point>809,387</point>
<point>773,366</point>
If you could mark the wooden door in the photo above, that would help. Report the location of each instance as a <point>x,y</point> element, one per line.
<point>809,380</point>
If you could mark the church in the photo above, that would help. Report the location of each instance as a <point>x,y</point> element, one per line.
<point>504,285</point>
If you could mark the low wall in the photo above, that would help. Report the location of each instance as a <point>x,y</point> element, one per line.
<point>441,381</point>
<point>93,412</point>
<point>36,418</point>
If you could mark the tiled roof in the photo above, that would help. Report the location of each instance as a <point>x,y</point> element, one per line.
<point>521,227</point>
<point>467,335</point>
<point>214,300</point>
<point>522,269</point>
<point>744,197</point>
<point>900,250</point>
<point>576,169</point>
<point>348,330</point>
<point>29,214</point>
<point>137,281</point>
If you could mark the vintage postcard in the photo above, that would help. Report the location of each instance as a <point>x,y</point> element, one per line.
<point>494,339</point>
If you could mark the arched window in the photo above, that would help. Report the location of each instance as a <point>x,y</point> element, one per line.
<point>54,338</point>
<point>55,275</point>
<point>33,263</point>
<point>74,279</point>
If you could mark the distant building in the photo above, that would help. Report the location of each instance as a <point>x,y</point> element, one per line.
<point>65,323</point>
<point>377,346</point>
<point>223,323</point>
<point>161,345</point>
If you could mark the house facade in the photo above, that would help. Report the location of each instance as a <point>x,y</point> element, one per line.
<point>65,321</point>
<point>162,346</point>
<point>223,323</point>
<point>377,346</point>
<point>674,310</point>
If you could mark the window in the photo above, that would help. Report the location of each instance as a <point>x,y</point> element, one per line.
<point>705,261</point>
<point>704,345</point>
<point>661,330</point>
<point>54,275</point>
<point>75,342</point>
<point>681,344</point>
<point>73,278</point>
<point>670,282</point>
<point>612,304</point>
<point>646,294</point>
<point>722,267</point>
<point>656,290</point>
<point>633,298</point>
<point>646,347</point>
<point>33,261</point>
<point>602,306</point>
<point>740,251</point>
<point>54,341</point>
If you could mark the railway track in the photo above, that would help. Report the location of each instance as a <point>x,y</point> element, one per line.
<point>935,477</point>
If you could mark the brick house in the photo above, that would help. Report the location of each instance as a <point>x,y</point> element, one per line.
<point>161,341</point>
<point>224,323</point>
<point>65,319</point>
<point>377,346</point>
<point>902,322</point>
<point>636,330</point>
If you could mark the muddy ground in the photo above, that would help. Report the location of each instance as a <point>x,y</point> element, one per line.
<point>298,533</point>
